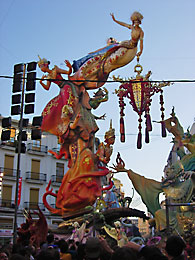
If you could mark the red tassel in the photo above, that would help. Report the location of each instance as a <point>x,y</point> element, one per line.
<point>164,134</point>
<point>147,139</point>
<point>148,122</point>
<point>139,140</point>
<point>122,130</point>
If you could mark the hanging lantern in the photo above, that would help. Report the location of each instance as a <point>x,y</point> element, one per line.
<point>139,91</point>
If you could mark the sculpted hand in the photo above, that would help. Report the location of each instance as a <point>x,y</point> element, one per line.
<point>113,18</point>
<point>43,77</point>
<point>103,117</point>
<point>118,168</point>
<point>68,64</point>
<point>139,54</point>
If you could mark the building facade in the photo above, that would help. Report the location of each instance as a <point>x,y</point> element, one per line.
<point>37,168</point>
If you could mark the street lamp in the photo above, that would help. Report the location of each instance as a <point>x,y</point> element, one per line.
<point>18,103</point>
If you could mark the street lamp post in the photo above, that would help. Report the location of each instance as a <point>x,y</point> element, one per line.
<point>20,109</point>
<point>19,157</point>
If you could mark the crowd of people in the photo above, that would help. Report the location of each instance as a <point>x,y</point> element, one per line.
<point>97,248</point>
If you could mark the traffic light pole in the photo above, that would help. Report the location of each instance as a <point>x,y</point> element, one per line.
<point>19,157</point>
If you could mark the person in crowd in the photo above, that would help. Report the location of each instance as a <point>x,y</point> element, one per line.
<point>93,249</point>
<point>174,249</point>
<point>3,255</point>
<point>64,255</point>
<point>124,253</point>
<point>48,254</point>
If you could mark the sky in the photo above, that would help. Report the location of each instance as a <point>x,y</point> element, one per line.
<point>59,30</point>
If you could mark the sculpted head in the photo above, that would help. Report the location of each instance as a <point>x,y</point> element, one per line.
<point>136,16</point>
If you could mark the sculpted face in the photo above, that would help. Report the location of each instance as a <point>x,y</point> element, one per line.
<point>111,140</point>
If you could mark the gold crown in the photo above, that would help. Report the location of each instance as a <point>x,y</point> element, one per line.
<point>136,16</point>
<point>110,132</point>
<point>42,62</point>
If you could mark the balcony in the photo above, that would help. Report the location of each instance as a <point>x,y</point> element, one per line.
<point>7,203</point>
<point>8,174</point>
<point>34,177</point>
<point>8,145</point>
<point>36,149</point>
<point>34,206</point>
<point>56,180</point>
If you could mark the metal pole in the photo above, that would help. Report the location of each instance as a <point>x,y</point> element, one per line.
<point>18,160</point>
<point>167,215</point>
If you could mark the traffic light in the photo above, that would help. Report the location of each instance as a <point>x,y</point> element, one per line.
<point>16,99</point>
<point>30,98</point>
<point>6,122</point>
<point>25,122</point>
<point>36,134</point>
<point>31,76</point>
<point>29,109</point>
<point>18,86</point>
<point>5,135</point>
<point>37,121</point>
<point>23,148</point>
<point>15,110</point>
<point>30,84</point>
<point>31,66</point>
<point>24,136</point>
<point>18,73</point>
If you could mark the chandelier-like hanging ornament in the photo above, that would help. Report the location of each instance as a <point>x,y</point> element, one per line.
<point>139,91</point>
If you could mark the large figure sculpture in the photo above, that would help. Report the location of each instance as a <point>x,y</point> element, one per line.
<point>178,183</point>
<point>69,117</point>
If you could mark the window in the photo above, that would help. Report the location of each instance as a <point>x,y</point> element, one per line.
<point>59,171</point>
<point>34,198</point>
<point>36,144</point>
<point>35,169</point>
<point>8,165</point>
<point>6,223</point>
<point>7,196</point>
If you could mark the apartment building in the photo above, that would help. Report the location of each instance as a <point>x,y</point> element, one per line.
<point>37,168</point>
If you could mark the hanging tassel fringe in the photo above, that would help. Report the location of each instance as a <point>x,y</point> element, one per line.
<point>148,122</point>
<point>147,138</point>
<point>122,130</point>
<point>139,140</point>
<point>164,134</point>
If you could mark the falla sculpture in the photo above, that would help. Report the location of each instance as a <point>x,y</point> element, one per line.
<point>69,116</point>
<point>178,183</point>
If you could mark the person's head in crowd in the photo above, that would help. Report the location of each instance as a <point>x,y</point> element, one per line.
<point>152,253</point>
<point>50,238</point>
<point>81,252</point>
<point>63,247</point>
<point>93,248</point>
<point>3,255</point>
<point>17,257</point>
<point>124,253</point>
<point>49,254</point>
<point>175,246</point>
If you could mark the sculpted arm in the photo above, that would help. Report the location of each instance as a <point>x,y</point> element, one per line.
<point>68,72</point>
<point>45,86</point>
<point>120,23</point>
<point>141,43</point>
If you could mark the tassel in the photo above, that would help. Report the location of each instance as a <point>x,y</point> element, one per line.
<point>147,140</point>
<point>164,134</point>
<point>148,122</point>
<point>122,130</point>
<point>139,140</point>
